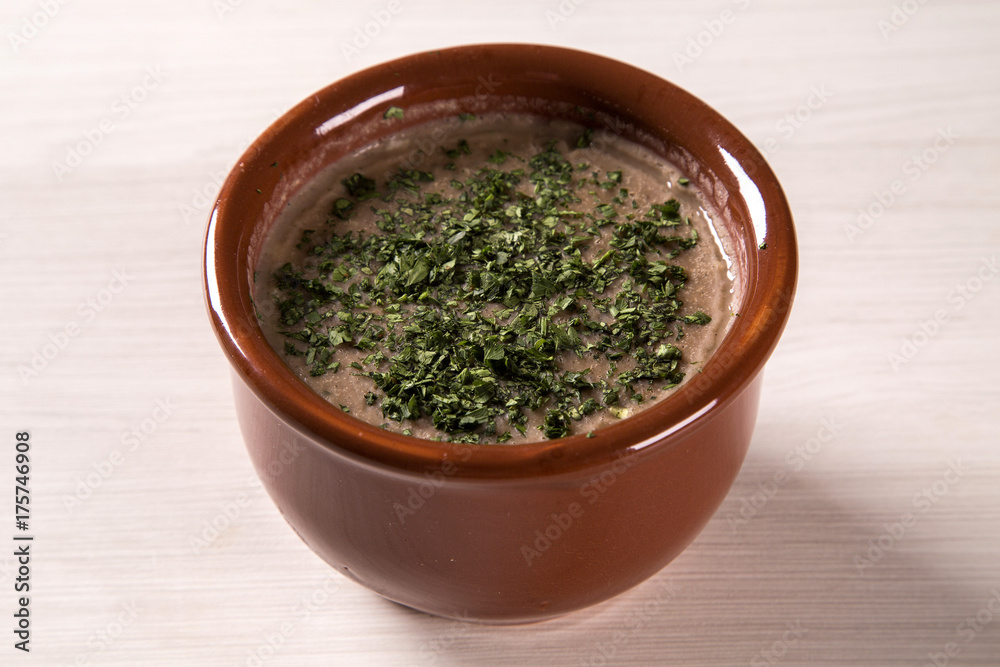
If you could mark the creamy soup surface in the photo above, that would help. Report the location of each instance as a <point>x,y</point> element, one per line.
<point>497,279</point>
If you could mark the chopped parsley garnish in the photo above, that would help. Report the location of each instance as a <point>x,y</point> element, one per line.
<point>470,295</point>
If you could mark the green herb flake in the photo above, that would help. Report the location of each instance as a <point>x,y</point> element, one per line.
<point>465,296</point>
<point>697,318</point>
<point>393,112</point>
<point>360,186</point>
<point>342,208</point>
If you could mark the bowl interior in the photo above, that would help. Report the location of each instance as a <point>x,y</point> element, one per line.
<point>751,214</point>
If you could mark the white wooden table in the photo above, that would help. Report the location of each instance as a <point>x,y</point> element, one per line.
<point>865,525</point>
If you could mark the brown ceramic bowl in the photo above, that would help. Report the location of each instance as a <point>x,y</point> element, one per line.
<point>502,533</point>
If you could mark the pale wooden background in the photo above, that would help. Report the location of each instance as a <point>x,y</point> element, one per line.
<point>116,578</point>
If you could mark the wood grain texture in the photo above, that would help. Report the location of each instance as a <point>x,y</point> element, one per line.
<point>850,440</point>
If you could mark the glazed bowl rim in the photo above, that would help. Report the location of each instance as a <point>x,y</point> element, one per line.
<point>738,360</point>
